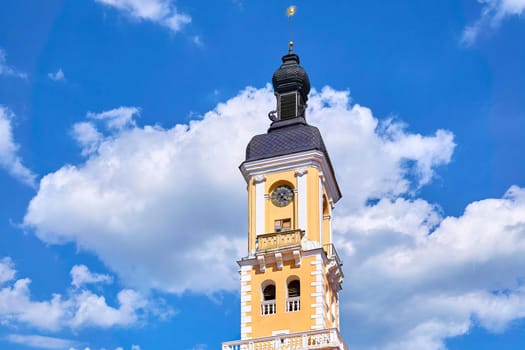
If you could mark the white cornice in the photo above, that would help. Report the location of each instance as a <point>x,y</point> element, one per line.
<point>295,161</point>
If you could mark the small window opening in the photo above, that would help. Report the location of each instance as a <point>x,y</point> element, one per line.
<point>293,302</point>
<point>288,105</point>
<point>268,303</point>
<point>283,225</point>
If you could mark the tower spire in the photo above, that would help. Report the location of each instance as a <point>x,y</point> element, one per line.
<point>290,12</point>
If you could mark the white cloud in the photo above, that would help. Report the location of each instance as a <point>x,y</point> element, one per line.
<point>92,310</point>
<point>5,69</point>
<point>173,198</point>
<point>197,40</point>
<point>81,275</point>
<point>492,13</point>
<point>57,76</point>
<point>162,12</point>
<point>7,272</point>
<point>40,342</point>
<point>87,136</point>
<point>17,307</point>
<point>135,347</point>
<point>82,308</point>
<point>9,159</point>
<point>118,118</point>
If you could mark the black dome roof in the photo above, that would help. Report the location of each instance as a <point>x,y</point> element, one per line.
<point>290,76</point>
<point>285,137</point>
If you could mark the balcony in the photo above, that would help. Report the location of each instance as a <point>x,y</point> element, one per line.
<point>311,340</point>
<point>278,240</point>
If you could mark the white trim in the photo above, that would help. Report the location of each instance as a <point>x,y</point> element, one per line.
<point>279,260</point>
<point>321,226</point>
<point>302,200</point>
<point>262,264</point>
<point>259,204</point>
<point>246,278</point>
<point>293,161</point>
<point>319,291</point>
<point>297,258</point>
<point>246,308</point>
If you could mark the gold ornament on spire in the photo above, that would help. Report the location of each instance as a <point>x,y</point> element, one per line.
<point>290,12</point>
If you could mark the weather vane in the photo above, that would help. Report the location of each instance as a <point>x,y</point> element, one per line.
<point>290,12</point>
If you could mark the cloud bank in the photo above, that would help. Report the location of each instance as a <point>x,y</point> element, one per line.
<point>174,198</point>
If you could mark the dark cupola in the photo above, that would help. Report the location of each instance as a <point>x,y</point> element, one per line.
<point>291,85</point>
<point>289,132</point>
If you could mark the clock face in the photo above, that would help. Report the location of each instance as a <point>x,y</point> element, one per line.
<point>282,196</point>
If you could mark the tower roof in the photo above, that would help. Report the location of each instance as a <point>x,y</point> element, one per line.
<point>285,137</point>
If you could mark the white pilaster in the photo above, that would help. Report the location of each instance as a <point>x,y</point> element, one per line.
<point>259,204</point>
<point>302,208</point>
<point>321,226</point>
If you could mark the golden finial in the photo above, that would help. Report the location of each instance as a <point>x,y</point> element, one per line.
<point>290,12</point>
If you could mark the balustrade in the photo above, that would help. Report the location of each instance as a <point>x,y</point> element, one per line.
<point>293,304</point>
<point>311,340</point>
<point>268,307</point>
<point>279,239</point>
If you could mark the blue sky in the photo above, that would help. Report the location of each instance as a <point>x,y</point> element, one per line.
<point>122,123</point>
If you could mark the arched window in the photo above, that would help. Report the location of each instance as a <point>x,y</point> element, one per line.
<point>269,292</point>
<point>268,298</point>
<point>293,302</point>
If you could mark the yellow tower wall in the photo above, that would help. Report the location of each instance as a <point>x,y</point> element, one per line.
<point>315,293</point>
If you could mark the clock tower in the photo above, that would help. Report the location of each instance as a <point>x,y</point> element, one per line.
<point>291,275</point>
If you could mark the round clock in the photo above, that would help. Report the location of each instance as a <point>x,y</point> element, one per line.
<point>282,196</point>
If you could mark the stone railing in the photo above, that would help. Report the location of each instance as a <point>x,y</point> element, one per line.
<point>318,339</point>
<point>268,307</point>
<point>279,239</point>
